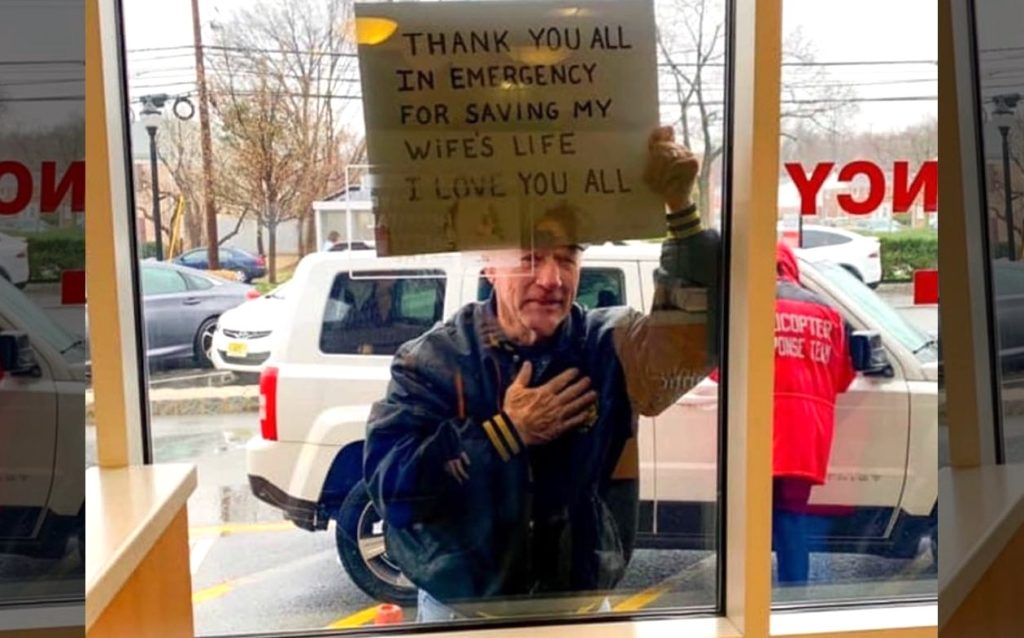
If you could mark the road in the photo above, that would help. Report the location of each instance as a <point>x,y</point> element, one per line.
<point>252,571</point>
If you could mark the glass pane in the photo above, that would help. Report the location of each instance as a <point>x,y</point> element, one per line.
<point>159,280</point>
<point>854,456</point>
<point>813,238</point>
<point>1001,89</point>
<point>377,314</point>
<point>43,353</point>
<point>600,288</point>
<point>198,283</point>
<point>277,398</point>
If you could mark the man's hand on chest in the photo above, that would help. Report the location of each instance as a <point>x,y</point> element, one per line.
<point>543,413</point>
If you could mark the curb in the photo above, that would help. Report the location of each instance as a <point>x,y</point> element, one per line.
<point>190,402</point>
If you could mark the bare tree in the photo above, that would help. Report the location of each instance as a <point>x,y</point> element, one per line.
<point>179,147</point>
<point>278,82</point>
<point>63,143</point>
<point>996,184</point>
<point>691,58</point>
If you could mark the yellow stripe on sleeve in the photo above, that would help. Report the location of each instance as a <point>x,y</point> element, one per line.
<point>495,441</point>
<point>510,438</point>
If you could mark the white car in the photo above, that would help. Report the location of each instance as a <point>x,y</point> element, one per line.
<point>14,260</point>
<point>860,255</point>
<point>327,369</point>
<point>42,412</point>
<point>245,334</point>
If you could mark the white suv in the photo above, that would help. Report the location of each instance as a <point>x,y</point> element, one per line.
<point>14,260</point>
<point>42,411</point>
<point>331,361</point>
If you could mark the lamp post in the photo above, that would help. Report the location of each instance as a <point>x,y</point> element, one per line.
<point>151,116</point>
<point>1003,118</point>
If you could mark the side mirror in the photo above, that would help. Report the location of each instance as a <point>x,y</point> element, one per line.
<point>868,354</point>
<point>16,355</point>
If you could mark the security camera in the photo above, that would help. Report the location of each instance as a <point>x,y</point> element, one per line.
<point>1006,102</point>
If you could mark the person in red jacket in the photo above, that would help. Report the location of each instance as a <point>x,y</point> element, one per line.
<point>812,366</point>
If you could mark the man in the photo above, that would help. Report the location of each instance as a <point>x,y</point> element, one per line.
<point>332,238</point>
<point>494,456</point>
<point>812,366</point>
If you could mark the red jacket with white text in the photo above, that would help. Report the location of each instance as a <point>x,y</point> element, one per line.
<point>812,366</point>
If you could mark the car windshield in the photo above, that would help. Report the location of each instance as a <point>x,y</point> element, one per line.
<point>914,339</point>
<point>18,309</point>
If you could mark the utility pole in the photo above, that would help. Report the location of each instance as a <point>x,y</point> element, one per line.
<point>212,245</point>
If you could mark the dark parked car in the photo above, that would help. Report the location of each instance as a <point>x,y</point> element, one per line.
<point>245,266</point>
<point>181,307</point>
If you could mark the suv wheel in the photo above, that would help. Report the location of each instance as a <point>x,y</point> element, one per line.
<point>359,534</point>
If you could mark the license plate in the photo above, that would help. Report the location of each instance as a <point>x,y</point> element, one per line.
<point>238,349</point>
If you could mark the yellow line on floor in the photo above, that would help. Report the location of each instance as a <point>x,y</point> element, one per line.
<point>210,593</point>
<point>357,619</point>
<point>642,599</point>
<point>240,528</point>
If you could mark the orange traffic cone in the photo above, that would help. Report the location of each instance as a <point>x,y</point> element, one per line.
<point>388,614</point>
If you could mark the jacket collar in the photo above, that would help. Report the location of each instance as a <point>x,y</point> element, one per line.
<point>492,336</point>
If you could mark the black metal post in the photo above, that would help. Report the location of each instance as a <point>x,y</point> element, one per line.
<point>1005,132</point>
<point>155,179</point>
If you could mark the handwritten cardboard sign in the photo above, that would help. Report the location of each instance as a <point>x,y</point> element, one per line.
<point>481,116</point>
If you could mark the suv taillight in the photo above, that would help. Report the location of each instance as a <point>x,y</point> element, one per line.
<point>268,403</point>
<point>261,261</point>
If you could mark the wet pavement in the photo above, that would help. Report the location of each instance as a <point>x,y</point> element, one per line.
<point>252,571</point>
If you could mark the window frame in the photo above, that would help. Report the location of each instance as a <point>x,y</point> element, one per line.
<point>972,386</point>
<point>752,139</point>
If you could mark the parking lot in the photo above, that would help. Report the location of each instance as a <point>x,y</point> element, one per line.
<point>253,571</point>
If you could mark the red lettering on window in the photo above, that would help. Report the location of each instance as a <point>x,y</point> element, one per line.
<point>22,188</point>
<point>52,193</point>
<point>927,179</point>
<point>809,188</point>
<point>876,188</point>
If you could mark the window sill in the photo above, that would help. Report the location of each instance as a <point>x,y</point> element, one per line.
<point>840,622</point>
<point>41,616</point>
<point>689,627</point>
<point>128,510</point>
<point>981,509</point>
<point>904,621</point>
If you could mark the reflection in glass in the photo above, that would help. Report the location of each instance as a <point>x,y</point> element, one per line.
<point>870,524</point>
<point>275,414</point>
<point>1001,89</point>
<point>43,354</point>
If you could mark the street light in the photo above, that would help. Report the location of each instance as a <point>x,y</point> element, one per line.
<point>1003,117</point>
<point>151,116</point>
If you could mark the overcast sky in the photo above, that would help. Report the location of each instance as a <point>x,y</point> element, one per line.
<point>42,50</point>
<point>840,32</point>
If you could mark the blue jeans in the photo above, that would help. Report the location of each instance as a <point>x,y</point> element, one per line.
<point>430,609</point>
<point>790,530</point>
<point>789,535</point>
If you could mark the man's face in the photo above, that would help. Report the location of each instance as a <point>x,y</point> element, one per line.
<point>534,290</point>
